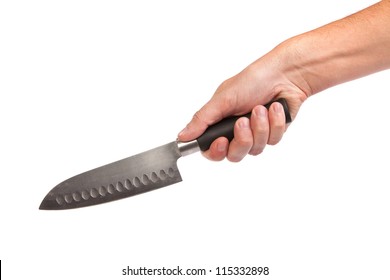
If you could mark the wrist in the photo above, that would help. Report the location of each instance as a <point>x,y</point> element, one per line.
<point>304,65</point>
<point>290,61</point>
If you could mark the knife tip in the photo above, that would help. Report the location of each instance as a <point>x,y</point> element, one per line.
<point>47,204</point>
<point>43,206</point>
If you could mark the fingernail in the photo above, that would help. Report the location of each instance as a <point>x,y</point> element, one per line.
<point>221,147</point>
<point>243,123</point>
<point>277,107</point>
<point>260,112</point>
<point>181,133</point>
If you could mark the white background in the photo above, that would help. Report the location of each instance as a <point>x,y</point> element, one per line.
<point>85,83</point>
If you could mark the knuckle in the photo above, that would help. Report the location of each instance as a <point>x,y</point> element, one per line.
<point>198,116</point>
<point>261,130</point>
<point>246,142</point>
<point>279,124</point>
<point>199,119</point>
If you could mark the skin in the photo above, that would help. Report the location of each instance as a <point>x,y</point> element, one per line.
<point>298,68</point>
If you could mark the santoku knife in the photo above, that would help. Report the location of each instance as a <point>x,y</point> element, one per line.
<point>137,174</point>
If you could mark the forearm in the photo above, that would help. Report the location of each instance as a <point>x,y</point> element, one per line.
<point>341,51</point>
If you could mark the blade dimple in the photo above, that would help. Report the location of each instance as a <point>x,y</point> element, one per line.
<point>85,195</point>
<point>154,177</point>
<point>119,187</point>
<point>68,198</point>
<point>163,175</point>
<point>76,197</point>
<point>141,173</point>
<point>60,200</point>
<point>128,184</point>
<point>145,179</point>
<point>103,190</point>
<point>137,182</point>
<point>94,193</point>
<point>111,189</point>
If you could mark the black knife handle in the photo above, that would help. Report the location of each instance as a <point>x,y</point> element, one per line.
<point>226,127</point>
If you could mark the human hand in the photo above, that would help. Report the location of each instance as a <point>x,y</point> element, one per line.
<point>299,67</point>
<point>256,85</point>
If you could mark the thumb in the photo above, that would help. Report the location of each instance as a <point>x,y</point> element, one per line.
<point>209,114</point>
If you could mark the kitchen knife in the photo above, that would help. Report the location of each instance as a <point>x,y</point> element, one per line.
<point>137,174</point>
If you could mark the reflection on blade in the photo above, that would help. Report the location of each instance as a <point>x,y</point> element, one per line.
<point>138,174</point>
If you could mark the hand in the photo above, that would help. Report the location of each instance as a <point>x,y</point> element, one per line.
<point>299,67</point>
<point>258,84</point>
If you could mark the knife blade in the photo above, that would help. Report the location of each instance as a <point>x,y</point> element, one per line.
<point>137,174</point>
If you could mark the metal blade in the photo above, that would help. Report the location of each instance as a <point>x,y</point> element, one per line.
<point>138,174</point>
